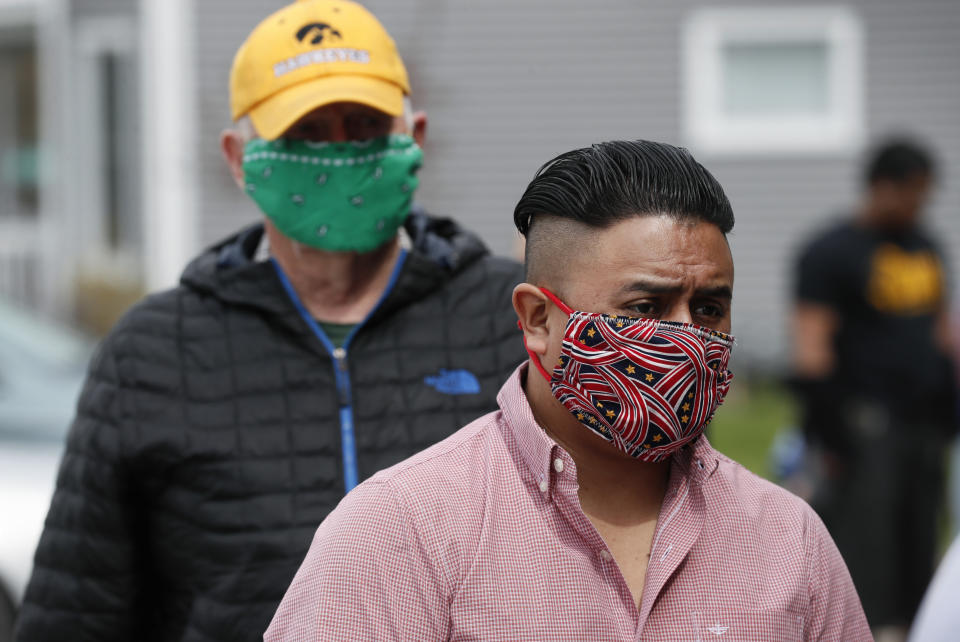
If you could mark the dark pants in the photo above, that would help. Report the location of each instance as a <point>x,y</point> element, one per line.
<point>880,501</point>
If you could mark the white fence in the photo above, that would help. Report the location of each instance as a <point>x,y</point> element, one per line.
<point>20,261</point>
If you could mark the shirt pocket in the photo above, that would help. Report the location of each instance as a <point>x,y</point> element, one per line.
<point>767,625</point>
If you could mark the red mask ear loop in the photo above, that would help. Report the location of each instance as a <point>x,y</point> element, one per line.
<point>556,300</point>
<point>534,359</point>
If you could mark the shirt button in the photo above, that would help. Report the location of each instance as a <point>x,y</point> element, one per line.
<point>558,465</point>
<point>544,486</point>
<point>605,554</point>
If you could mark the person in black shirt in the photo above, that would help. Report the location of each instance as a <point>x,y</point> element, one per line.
<point>874,376</point>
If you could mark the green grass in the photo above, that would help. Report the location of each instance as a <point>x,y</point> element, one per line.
<point>746,423</point>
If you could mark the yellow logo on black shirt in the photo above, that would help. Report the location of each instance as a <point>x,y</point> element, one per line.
<point>905,283</point>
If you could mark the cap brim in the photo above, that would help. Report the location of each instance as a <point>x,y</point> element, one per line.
<point>277,113</point>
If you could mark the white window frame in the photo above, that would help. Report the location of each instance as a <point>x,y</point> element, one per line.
<point>170,186</point>
<point>94,37</point>
<point>23,270</point>
<point>709,130</point>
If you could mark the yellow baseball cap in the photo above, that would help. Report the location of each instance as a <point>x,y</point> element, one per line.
<point>312,53</point>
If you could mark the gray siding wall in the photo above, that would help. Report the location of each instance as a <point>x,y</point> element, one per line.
<point>103,7</point>
<point>507,85</point>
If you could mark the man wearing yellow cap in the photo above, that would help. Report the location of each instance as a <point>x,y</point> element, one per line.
<point>222,420</point>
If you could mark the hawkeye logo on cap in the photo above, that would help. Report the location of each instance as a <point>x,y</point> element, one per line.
<point>316,32</point>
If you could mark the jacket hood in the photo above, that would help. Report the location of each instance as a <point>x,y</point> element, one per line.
<point>441,248</point>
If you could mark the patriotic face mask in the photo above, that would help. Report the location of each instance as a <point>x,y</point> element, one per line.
<point>648,387</point>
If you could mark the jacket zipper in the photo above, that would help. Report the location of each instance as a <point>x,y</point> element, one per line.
<point>341,370</point>
<point>348,444</point>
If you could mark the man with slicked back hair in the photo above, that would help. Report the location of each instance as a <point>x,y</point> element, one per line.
<point>589,506</point>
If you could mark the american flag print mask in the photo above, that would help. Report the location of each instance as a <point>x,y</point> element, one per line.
<point>648,387</point>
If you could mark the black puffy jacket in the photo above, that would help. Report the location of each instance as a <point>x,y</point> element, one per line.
<point>207,444</point>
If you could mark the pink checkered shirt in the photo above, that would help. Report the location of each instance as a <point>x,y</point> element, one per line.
<point>481,537</point>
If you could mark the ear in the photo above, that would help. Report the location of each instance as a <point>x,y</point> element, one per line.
<point>231,146</point>
<point>532,308</point>
<point>419,132</point>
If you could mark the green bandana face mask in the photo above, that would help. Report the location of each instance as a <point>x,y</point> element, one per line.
<point>338,197</point>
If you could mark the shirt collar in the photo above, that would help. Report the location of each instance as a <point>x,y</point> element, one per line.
<point>697,462</point>
<point>534,445</point>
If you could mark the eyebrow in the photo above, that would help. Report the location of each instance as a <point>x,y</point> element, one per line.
<point>672,287</point>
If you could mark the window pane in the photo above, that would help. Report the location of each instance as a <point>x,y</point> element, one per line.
<point>18,128</point>
<point>120,170</point>
<point>775,79</point>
